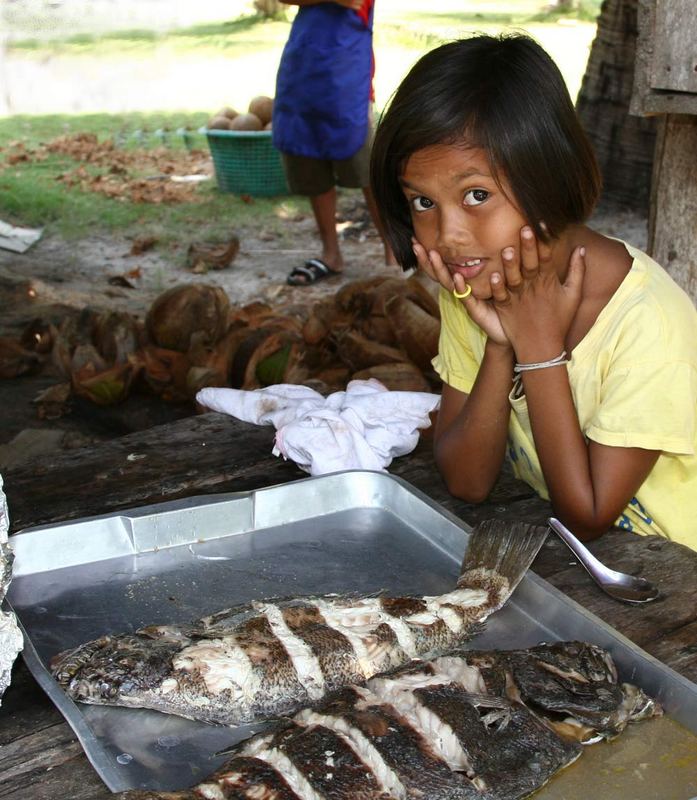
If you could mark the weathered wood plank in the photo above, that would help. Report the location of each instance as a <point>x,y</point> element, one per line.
<point>197,455</point>
<point>25,707</point>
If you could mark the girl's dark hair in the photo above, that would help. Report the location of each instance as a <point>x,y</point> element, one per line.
<point>505,95</point>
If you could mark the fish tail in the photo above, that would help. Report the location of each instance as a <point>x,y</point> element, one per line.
<point>503,550</point>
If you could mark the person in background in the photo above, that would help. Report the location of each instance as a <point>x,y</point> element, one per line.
<point>570,352</point>
<point>322,119</point>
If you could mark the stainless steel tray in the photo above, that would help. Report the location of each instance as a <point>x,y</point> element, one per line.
<point>347,532</point>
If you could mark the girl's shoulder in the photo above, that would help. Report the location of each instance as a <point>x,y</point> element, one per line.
<point>643,305</point>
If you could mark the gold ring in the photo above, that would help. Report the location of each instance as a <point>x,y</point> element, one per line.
<point>462,295</point>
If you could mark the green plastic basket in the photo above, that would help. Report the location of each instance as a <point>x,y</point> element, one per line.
<point>246,162</point>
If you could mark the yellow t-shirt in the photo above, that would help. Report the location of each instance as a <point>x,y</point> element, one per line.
<point>634,382</point>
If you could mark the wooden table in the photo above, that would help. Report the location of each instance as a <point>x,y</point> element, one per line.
<point>39,754</point>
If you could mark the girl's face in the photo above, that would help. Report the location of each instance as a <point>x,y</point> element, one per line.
<point>459,210</point>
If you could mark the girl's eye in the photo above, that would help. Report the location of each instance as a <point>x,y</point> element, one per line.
<point>421,203</point>
<point>475,197</point>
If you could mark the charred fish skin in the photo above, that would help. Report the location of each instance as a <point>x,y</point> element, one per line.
<point>422,773</point>
<point>509,749</point>
<point>113,669</point>
<point>573,686</point>
<point>242,778</point>
<point>264,659</point>
<point>426,731</point>
<point>327,762</point>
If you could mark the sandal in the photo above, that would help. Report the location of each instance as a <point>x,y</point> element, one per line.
<point>312,271</point>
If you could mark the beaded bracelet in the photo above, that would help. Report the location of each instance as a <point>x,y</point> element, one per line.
<point>553,362</point>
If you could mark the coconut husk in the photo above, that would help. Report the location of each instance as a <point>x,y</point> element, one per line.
<point>165,372</point>
<point>116,335</point>
<point>177,314</point>
<point>357,297</point>
<point>334,378</point>
<point>246,122</point>
<point>198,378</point>
<point>106,388</point>
<point>255,310</point>
<point>378,328</point>
<point>413,288</point>
<point>390,287</point>
<point>38,337</point>
<point>253,339</point>
<point>53,402</point>
<point>87,359</point>
<point>217,359</point>
<point>16,360</point>
<point>315,329</point>
<point>415,329</point>
<point>360,353</point>
<point>212,256</point>
<point>297,369</point>
<point>262,106</point>
<point>258,350</point>
<point>400,377</point>
<point>219,123</point>
<point>424,292</point>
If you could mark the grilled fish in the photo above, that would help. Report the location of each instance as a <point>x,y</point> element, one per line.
<point>269,658</point>
<point>445,729</point>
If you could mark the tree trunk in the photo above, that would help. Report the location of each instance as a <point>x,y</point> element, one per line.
<point>673,218</point>
<point>623,144</point>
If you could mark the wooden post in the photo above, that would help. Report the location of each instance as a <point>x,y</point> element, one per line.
<point>665,84</point>
<point>673,205</point>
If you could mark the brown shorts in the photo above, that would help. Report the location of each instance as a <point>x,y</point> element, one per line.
<point>313,176</point>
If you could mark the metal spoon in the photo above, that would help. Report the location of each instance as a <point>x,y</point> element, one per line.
<point>619,585</point>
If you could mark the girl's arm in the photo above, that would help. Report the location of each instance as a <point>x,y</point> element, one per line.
<point>472,430</point>
<point>589,484</point>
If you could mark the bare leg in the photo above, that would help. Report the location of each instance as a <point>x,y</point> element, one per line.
<point>373,209</point>
<point>324,209</point>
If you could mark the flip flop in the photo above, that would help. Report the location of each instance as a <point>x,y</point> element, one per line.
<point>312,271</point>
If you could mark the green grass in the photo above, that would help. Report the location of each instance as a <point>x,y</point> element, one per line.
<point>31,195</point>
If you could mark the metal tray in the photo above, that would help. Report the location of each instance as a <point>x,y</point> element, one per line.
<point>354,531</point>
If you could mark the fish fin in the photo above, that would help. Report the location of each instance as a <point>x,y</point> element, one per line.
<point>503,547</point>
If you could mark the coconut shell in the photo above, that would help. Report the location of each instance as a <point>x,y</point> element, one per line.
<point>179,313</point>
<point>116,335</point>
<point>315,330</point>
<point>400,377</point>
<point>15,360</point>
<point>165,372</point>
<point>357,352</point>
<point>357,297</point>
<point>415,329</point>
<point>378,328</point>
<point>262,107</point>
<point>246,122</point>
<point>228,112</point>
<point>105,388</point>
<point>335,378</point>
<point>219,123</point>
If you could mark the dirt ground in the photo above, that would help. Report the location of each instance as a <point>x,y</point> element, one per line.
<point>55,278</point>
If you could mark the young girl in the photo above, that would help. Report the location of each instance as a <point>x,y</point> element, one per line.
<point>570,352</point>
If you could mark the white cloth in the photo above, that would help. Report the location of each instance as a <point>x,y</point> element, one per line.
<point>364,427</point>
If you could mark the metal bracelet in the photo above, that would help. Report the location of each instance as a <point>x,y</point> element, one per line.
<point>553,362</point>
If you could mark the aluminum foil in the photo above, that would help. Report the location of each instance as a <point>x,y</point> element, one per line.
<point>11,641</point>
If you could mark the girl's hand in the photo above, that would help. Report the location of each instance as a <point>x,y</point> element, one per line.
<point>481,311</point>
<point>534,307</point>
